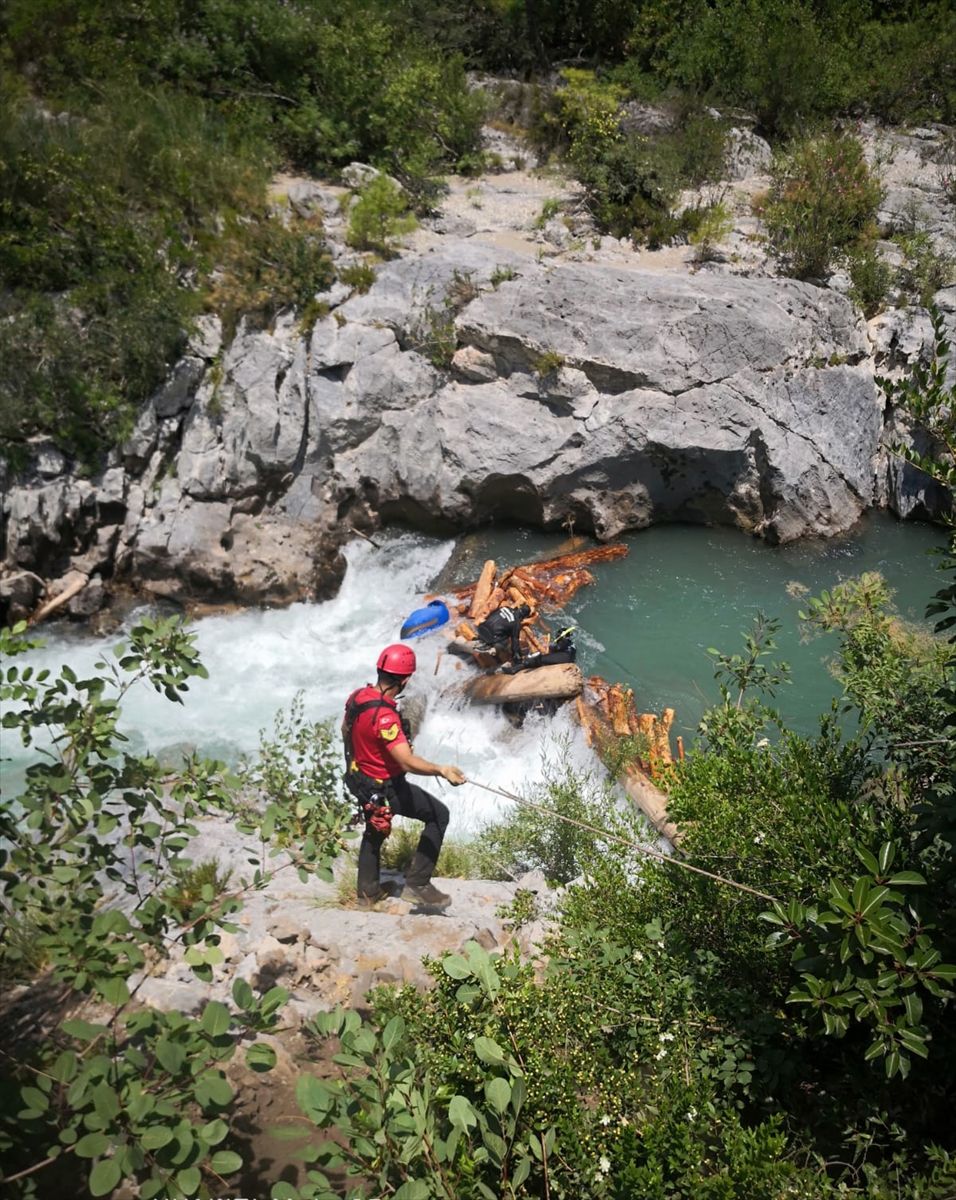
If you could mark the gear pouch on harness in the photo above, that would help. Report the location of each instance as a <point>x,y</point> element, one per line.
<point>374,803</point>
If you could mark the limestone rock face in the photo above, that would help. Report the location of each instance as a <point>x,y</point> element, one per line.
<point>711,399</point>
<point>480,380</point>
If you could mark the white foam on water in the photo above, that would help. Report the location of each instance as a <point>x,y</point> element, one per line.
<point>258,660</point>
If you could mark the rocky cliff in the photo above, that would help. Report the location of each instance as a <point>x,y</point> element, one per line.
<point>498,368</point>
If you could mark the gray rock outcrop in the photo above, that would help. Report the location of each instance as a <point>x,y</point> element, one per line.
<point>479,379</point>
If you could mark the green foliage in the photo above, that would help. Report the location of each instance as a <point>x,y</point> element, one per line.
<point>925,269</point>
<point>881,956</point>
<point>454,862</point>
<point>295,781</point>
<point>189,881</point>
<point>523,910</point>
<point>630,182</point>
<point>549,210</point>
<point>529,840</point>
<point>118,228</point>
<point>360,276</point>
<point>714,226</point>
<point>928,395</point>
<point>822,203</point>
<point>547,362</point>
<point>433,333</point>
<point>379,217</point>
<point>870,277</point>
<point>501,275</point>
<point>92,862</point>
<point>409,1130</point>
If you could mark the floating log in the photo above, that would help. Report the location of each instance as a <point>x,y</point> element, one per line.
<point>483,589</point>
<point>559,681</point>
<point>583,558</point>
<point>494,601</point>
<point>652,802</point>
<point>464,647</point>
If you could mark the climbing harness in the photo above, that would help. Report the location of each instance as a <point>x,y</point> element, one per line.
<point>373,801</point>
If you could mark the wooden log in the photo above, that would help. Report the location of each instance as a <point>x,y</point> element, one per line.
<point>71,589</point>
<point>617,710</point>
<point>463,648</point>
<point>583,558</point>
<point>585,723</point>
<point>464,630</point>
<point>494,601</point>
<point>532,641</point>
<point>652,802</point>
<point>483,589</point>
<point>560,681</point>
<point>661,746</point>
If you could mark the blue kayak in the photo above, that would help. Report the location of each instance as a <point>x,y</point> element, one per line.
<point>424,620</point>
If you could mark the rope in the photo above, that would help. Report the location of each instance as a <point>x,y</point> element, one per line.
<point>613,837</point>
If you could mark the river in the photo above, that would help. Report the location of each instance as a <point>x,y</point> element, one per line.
<point>647,621</point>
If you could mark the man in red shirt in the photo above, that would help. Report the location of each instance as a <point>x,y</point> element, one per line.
<point>379,758</point>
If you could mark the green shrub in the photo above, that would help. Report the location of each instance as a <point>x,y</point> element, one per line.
<point>823,201</point>
<point>714,226</point>
<point>529,840</point>
<point>196,883</point>
<point>360,276</point>
<point>547,362</point>
<point>454,861</point>
<point>871,278</point>
<point>925,269</point>
<point>379,217</point>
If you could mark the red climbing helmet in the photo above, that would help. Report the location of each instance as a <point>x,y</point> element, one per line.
<point>397,660</point>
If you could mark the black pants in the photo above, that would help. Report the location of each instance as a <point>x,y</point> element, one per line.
<point>407,800</point>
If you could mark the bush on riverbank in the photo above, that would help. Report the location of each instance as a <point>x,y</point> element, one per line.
<point>823,203</point>
<point>119,226</point>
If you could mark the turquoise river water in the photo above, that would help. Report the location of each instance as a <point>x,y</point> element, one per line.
<point>647,622</point>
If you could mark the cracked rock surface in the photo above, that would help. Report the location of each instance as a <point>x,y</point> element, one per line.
<point>501,367</point>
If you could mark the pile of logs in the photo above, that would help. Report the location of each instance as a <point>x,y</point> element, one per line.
<point>611,715</point>
<point>544,586</point>
<point>635,745</point>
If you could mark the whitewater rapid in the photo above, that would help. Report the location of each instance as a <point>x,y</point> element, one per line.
<point>259,660</point>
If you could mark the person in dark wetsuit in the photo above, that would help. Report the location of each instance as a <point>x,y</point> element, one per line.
<point>501,630</point>
<point>378,758</point>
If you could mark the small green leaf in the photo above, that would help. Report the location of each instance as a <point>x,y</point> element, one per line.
<point>189,1180</point>
<point>83,1030</point>
<point>489,1051</point>
<point>461,1113</point>
<point>498,1093</point>
<point>393,1032</point>
<point>104,1177</point>
<point>456,966</point>
<point>92,1145</point>
<point>260,1057</point>
<point>33,1098</point>
<point>226,1162</point>
<point>242,994</point>
<point>155,1137</point>
<point>215,1019</point>
<point>114,991</point>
